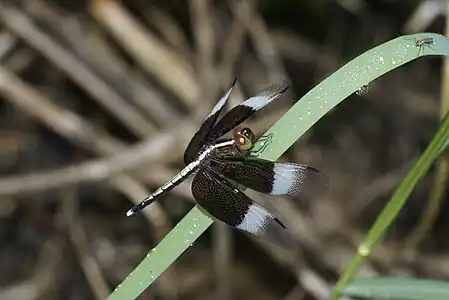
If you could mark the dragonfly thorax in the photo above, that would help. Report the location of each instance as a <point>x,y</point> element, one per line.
<point>221,146</point>
<point>242,141</point>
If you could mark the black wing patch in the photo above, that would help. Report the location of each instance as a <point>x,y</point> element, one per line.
<point>209,132</point>
<point>227,204</point>
<point>274,178</point>
<point>246,109</point>
<point>200,136</point>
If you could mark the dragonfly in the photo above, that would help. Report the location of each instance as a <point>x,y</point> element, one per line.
<point>221,164</point>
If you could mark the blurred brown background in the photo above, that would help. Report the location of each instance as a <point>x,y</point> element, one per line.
<point>98,100</point>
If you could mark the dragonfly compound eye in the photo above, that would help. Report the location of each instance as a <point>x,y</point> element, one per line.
<point>249,134</point>
<point>243,142</point>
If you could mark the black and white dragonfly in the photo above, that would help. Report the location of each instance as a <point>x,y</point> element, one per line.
<point>220,163</point>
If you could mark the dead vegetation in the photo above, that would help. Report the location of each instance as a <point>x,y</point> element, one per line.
<point>99,99</point>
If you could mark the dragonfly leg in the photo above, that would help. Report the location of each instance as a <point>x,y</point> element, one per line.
<point>264,142</point>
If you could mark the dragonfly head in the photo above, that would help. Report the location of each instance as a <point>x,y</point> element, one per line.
<point>245,139</point>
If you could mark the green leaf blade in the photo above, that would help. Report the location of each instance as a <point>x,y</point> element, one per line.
<point>302,116</point>
<point>170,248</point>
<point>398,288</point>
<point>343,83</point>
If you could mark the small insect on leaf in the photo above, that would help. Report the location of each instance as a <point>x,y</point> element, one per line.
<point>421,43</point>
<point>363,90</point>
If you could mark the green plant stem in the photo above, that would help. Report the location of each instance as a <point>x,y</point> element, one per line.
<point>438,188</point>
<point>392,209</point>
<point>436,197</point>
